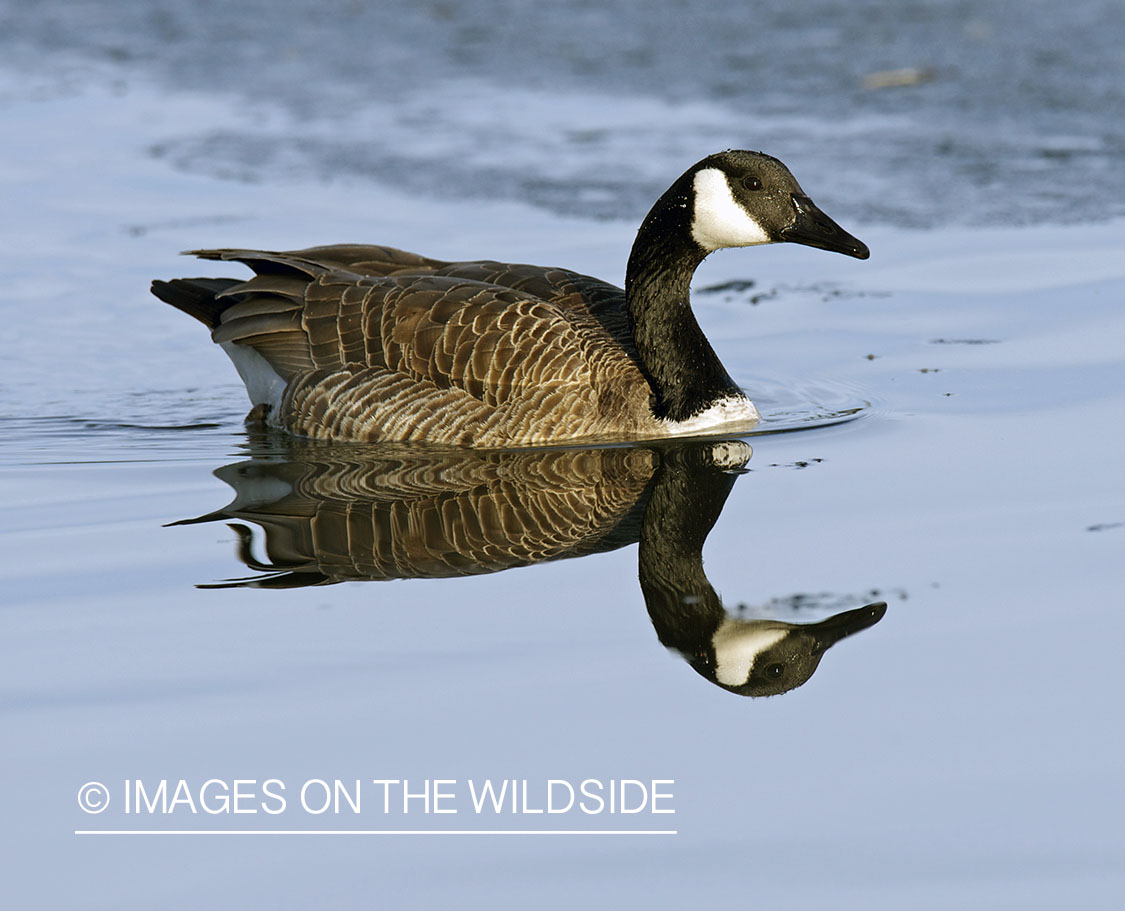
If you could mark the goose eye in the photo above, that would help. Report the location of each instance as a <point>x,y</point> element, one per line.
<point>775,670</point>
<point>751,183</point>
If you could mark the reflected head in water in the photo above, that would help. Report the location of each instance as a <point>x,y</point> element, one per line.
<point>333,513</point>
<point>751,657</point>
<point>770,657</point>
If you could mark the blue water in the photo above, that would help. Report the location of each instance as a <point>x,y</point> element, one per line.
<point>963,751</point>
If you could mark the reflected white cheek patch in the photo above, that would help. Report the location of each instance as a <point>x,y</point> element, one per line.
<point>737,645</point>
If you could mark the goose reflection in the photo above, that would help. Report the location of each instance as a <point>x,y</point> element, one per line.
<point>751,657</point>
<point>334,514</point>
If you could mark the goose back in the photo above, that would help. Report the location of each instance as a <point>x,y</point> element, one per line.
<point>372,343</point>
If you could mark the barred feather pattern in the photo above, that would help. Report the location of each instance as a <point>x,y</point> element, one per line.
<point>433,515</point>
<point>377,344</point>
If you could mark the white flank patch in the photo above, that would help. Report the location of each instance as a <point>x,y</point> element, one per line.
<point>737,645</point>
<point>734,413</point>
<point>262,382</point>
<point>719,221</point>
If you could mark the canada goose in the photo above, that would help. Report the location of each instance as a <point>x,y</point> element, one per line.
<point>370,343</point>
<point>750,656</point>
<point>333,514</point>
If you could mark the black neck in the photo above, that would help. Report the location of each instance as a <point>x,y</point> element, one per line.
<point>679,363</point>
<point>685,503</point>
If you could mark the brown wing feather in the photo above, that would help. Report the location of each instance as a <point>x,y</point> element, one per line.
<point>434,351</point>
<point>572,290</point>
<point>369,259</point>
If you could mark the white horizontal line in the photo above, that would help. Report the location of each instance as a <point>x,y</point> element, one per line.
<point>376,832</point>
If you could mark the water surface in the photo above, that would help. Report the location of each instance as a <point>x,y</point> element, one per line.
<point>962,750</point>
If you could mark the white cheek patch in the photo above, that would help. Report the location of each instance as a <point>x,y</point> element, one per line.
<point>719,221</point>
<point>737,645</point>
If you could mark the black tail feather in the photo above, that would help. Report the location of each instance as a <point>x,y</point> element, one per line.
<point>197,297</point>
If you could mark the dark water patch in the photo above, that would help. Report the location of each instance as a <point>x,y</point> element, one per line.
<point>736,286</point>
<point>826,602</point>
<point>798,464</point>
<point>964,341</point>
<point>737,289</point>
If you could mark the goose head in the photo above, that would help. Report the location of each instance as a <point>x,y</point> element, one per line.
<point>745,198</point>
<point>768,657</point>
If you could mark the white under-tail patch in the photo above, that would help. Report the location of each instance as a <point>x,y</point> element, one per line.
<point>737,644</point>
<point>718,220</point>
<point>729,414</point>
<point>263,384</point>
